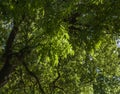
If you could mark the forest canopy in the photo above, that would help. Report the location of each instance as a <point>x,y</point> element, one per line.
<point>59,47</point>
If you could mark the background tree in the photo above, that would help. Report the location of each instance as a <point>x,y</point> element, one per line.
<point>59,47</point>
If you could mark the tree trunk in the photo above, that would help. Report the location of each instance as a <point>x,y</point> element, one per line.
<point>7,67</point>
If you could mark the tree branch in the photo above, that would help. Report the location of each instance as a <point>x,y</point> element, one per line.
<point>54,82</point>
<point>7,67</point>
<point>33,75</point>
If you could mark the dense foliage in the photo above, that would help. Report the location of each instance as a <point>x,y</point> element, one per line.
<point>59,47</point>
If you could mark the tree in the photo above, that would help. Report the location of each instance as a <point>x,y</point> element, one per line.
<point>59,47</point>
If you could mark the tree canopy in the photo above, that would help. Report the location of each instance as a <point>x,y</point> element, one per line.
<point>59,47</point>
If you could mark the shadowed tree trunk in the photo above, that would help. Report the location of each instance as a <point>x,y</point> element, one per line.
<point>7,67</point>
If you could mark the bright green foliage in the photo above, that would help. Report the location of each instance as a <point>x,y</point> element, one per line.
<point>61,46</point>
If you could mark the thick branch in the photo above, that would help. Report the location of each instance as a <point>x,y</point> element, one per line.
<point>7,68</point>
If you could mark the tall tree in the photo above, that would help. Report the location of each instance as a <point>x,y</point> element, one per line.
<point>59,47</point>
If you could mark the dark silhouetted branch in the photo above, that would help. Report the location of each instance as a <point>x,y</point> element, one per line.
<point>33,75</point>
<point>7,67</point>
